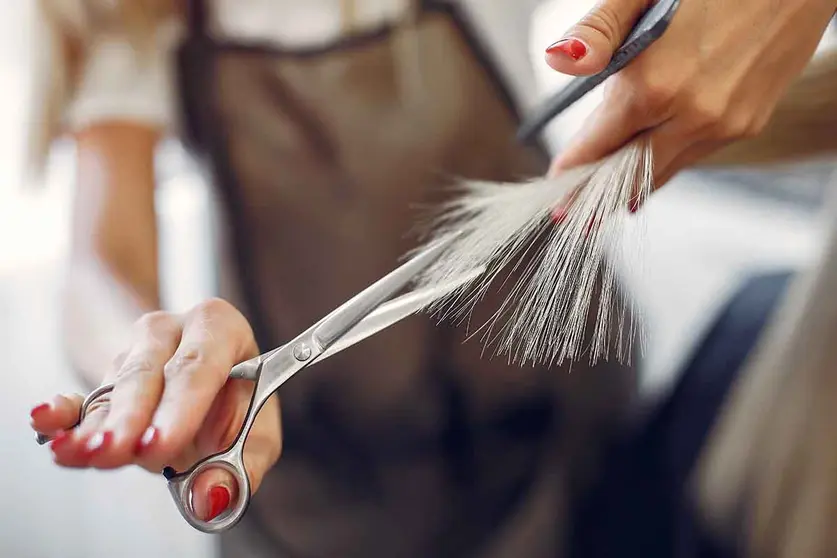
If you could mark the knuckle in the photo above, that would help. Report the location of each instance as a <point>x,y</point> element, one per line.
<point>222,314</point>
<point>754,127</point>
<point>213,308</point>
<point>133,367</point>
<point>156,322</point>
<point>741,127</point>
<point>651,97</point>
<point>709,114</point>
<point>659,94</point>
<point>733,129</point>
<point>188,359</point>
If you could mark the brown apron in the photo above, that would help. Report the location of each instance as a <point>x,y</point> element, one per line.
<point>410,444</point>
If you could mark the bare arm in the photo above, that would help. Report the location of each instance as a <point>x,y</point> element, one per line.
<point>113,271</point>
<point>172,402</point>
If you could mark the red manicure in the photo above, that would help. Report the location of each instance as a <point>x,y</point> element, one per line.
<point>219,499</point>
<point>573,48</point>
<point>97,442</point>
<point>59,440</point>
<point>39,409</point>
<point>148,438</point>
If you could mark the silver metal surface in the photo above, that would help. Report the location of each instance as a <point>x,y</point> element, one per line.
<point>180,487</point>
<point>383,317</point>
<point>302,352</point>
<point>85,406</point>
<point>347,316</point>
<point>274,368</point>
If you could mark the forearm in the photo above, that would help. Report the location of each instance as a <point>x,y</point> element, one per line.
<point>112,276</point>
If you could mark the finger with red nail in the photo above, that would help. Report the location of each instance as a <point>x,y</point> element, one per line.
<point>172,404</point>
<point>56,415</point>
<point>703,86</point>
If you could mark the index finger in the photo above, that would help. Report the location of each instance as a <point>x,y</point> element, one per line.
<point>215,338</point>
<point>614,123</point>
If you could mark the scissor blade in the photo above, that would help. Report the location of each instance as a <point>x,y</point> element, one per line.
<point>383,317</point>
<point>396,310</point>
<point>336,324</point>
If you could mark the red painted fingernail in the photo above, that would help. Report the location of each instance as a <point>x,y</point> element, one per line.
<point>559,215</point>
<point>59,440</point>
<point>148,438</point>
<point>97,442</point>
<point>219,499</point>
<point>573,48</point>
<point>39,409</point>
<point>634,206</point>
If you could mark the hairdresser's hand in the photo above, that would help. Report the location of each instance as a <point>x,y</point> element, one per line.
<point>714,77</point>
<point>172,404</point>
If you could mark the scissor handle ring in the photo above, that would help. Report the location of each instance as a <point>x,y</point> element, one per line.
<point>181,485</point>
<point>91,398</point>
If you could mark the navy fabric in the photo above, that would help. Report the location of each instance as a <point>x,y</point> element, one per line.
<point>639,507</point>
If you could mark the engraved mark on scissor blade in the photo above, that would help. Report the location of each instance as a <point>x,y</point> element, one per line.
<point>361,305</point>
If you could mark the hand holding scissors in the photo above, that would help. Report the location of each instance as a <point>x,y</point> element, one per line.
<point>362,316</point>
<point>689,77</point>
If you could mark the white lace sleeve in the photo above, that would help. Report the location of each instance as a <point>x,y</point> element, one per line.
<point>117,83</point>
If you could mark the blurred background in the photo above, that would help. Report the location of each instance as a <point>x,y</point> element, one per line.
<point>704,233</point>
<point>48,512</point>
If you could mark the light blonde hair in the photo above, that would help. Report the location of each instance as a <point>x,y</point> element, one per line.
<point>770,467</point>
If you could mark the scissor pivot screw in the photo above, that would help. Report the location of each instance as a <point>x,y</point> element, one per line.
<point>302,352</point>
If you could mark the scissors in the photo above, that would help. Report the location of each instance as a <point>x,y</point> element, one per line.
<point>363,315</point>
<point>647,30</point>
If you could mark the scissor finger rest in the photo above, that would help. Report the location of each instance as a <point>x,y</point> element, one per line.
<point>85,406</point>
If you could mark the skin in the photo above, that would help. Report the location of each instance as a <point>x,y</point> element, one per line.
<point>713,78</point>
<point>173,375</point>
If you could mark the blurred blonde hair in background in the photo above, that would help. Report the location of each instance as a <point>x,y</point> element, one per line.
<point>772,460</point>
